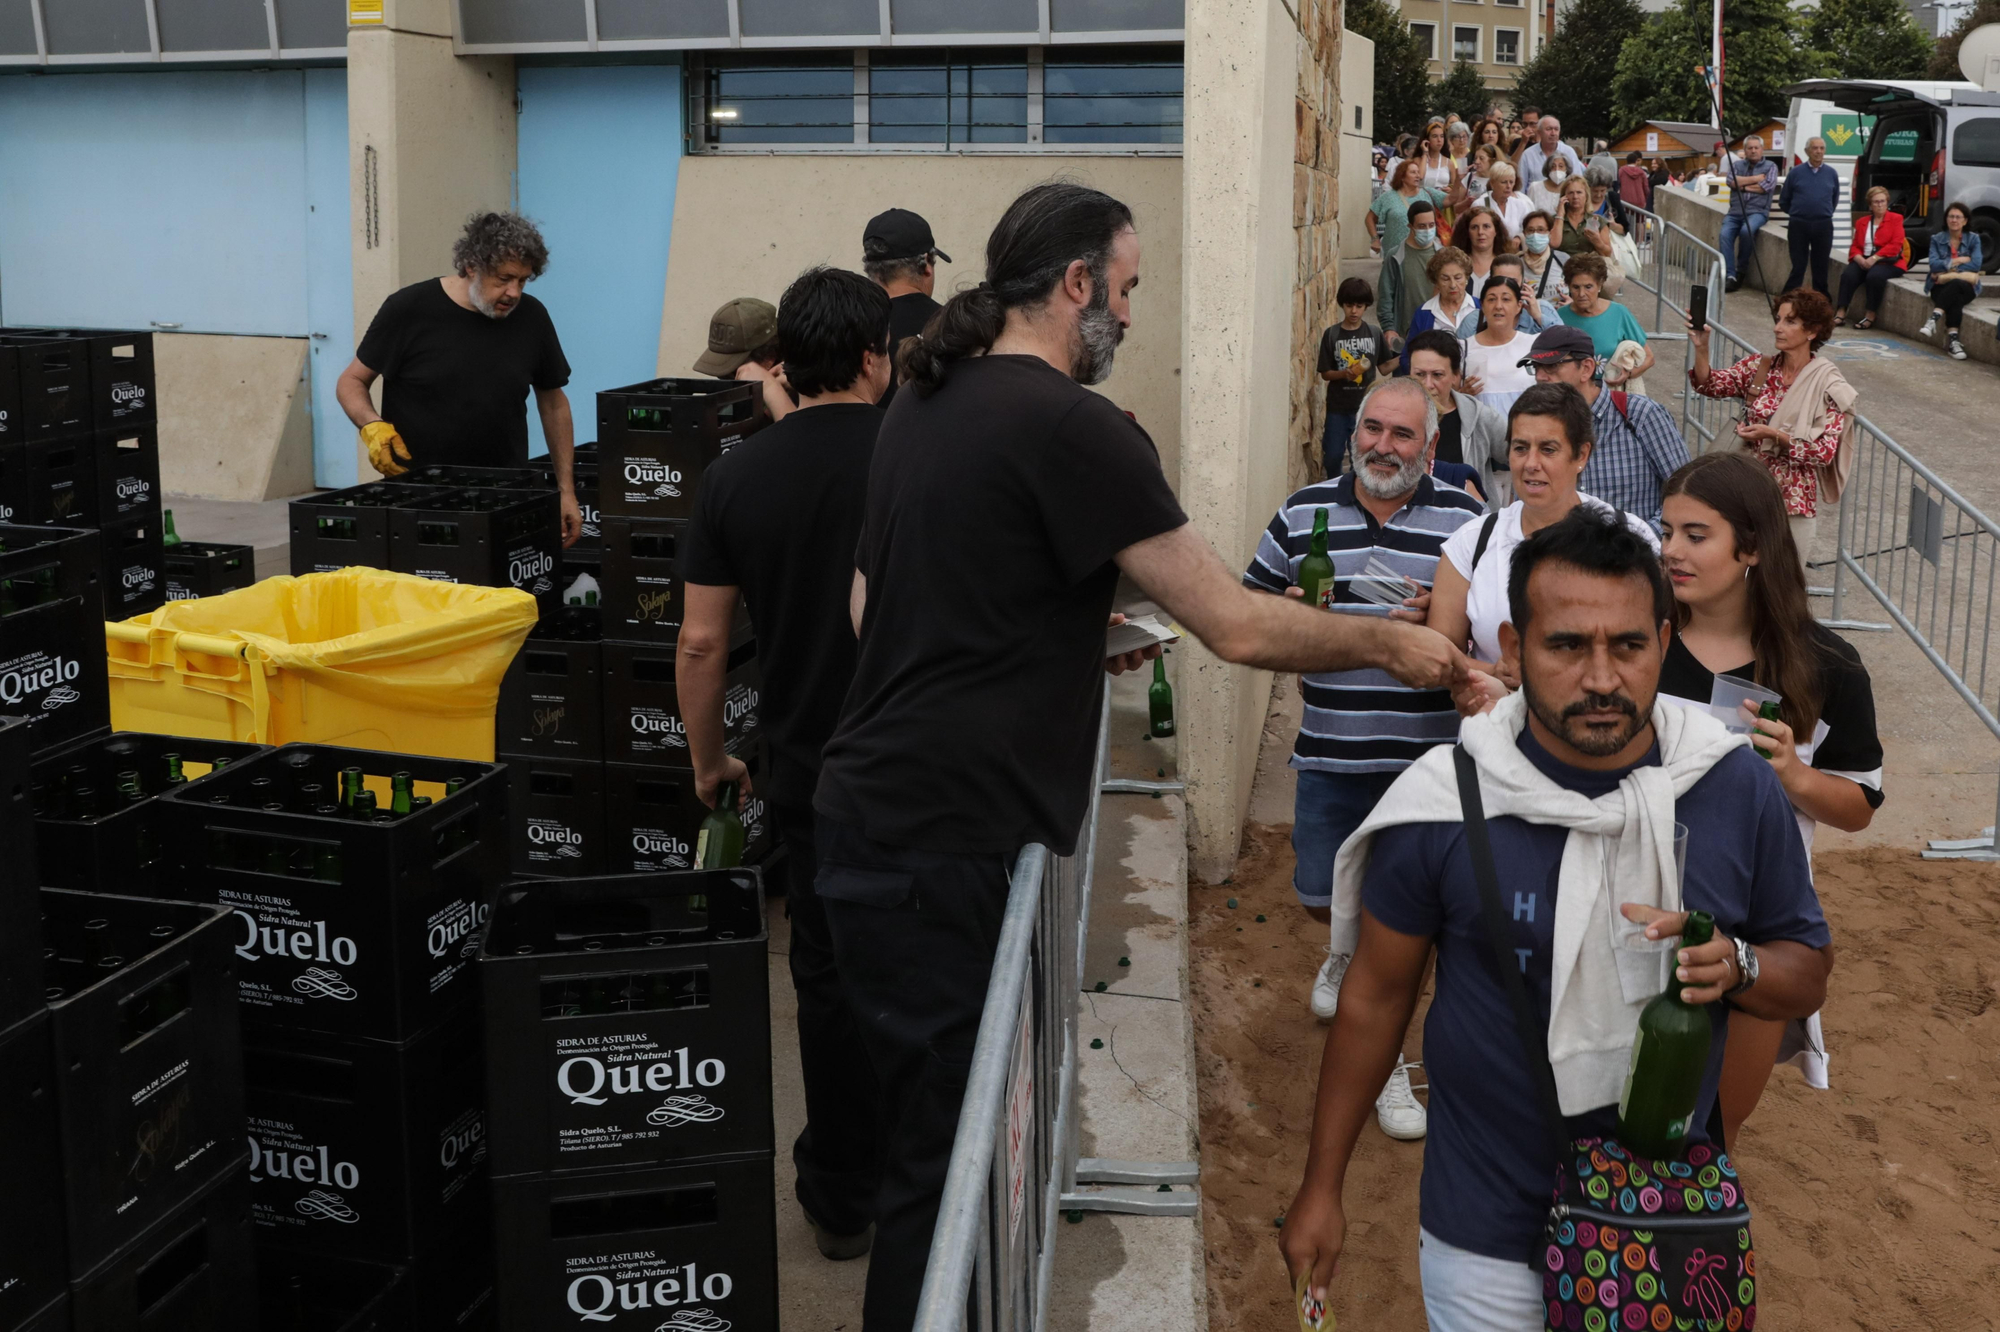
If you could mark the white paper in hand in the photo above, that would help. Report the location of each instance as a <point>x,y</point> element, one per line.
<point>1138,635</point>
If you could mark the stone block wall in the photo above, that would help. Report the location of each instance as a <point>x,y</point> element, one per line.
<point>1315,213</point>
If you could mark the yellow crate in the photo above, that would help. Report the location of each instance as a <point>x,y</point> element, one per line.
<point>355,657</point>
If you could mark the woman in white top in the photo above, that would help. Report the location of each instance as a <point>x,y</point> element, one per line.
<point>1546,193</point>
<point>1548,443</point>
<point>1439,173</point>
<point>1494,354</point>
<point>1501,196</point>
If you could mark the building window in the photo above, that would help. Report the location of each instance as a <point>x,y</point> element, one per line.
<point>1111,95</point>
<point>948,97</point>
<point>943,99</point>
<point>1426,33</point>
<point>1506,46</point>
<point>776,99</point>
<point>1465,44</point>
<point>1514,3</point>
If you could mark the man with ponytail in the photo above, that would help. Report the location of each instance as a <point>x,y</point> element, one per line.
<point>1004,500</point>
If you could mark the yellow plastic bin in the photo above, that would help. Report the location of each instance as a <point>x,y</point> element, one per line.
<point>355,657</point>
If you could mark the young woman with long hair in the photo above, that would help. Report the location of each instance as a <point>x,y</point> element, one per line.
<point>1740,609</point>
<point>1481,233</point>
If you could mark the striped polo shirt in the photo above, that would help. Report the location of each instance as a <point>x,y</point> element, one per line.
<point>1364,721</point>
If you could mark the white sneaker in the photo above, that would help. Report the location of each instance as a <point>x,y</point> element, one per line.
<point>1930,326</point>
<point>1399,1112</point>
<point>1955,347</point>
<point>1326,986</point>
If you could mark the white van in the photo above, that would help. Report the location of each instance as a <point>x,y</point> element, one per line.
<point>1847,133</point>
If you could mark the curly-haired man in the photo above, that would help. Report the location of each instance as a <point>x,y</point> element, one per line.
<point>457,356</point>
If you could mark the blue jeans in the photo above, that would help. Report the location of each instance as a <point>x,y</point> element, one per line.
<point>1739,233</point>
<point>1333,445</point>
<point>1329,807</point>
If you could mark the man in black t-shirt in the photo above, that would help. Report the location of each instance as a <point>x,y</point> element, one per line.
<point>457,356</point>
<point>778,517</point>
<point>1003,501</point>
<point>898,251</point>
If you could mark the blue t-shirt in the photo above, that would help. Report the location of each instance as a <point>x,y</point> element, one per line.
<point>1487,1173</point>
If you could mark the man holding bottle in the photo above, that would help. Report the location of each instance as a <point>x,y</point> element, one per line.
<point>1584,774</point>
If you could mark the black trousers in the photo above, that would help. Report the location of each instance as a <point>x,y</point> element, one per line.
<point>1810,239</point>
<point>838,1155</point>
<point>1952,298</point>
<point>914,934</point>
<point>1877,277</point>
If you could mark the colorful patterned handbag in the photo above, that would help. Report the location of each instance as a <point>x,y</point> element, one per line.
<point>1630,1244</point>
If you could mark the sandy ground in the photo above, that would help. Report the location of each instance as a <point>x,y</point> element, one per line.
<point>1877,1203</point>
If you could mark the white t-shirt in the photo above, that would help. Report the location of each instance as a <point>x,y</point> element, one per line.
<point>1514,212</point>
<point>1486,598</point>
<point>1498,369</point>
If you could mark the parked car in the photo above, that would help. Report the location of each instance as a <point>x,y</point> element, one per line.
<point>1928,143</point>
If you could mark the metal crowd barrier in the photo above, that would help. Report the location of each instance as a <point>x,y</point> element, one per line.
<point>1014,1166</point>
<point>1672,263</point>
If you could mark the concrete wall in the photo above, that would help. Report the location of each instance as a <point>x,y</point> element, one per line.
<point>1317,148</point>
<point>442,133</point>
<point>235,416</point>
<point>1239,270</point>
<point>1357,93</point>
<point>745,226</point>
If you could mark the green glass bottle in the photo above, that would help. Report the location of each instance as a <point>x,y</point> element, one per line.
<point>1316,569</point>
<point>351,787</point>
<point>1669,1056</point>
<point>453,785</point>
<point>399,792</point>
<point>1768,710</point>
<point>174,774</point>
<point>719,844</point>
<point>1160,702</point>
<point>362,807</point>
<point>168,537</point>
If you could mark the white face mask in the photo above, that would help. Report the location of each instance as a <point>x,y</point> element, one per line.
<point>1424,235</point>
<point>1558,177</point>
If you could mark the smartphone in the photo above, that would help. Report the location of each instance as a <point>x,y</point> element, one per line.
<point>1698,308</point>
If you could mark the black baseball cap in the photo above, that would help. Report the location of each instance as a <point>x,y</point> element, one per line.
<point>899,234</point>
<point>1555,345</point>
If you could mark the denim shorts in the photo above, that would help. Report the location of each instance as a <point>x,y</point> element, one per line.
<point>1329,807</point>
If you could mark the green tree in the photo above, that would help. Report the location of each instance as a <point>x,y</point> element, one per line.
<point>1867,39</point>
<point>1762,49</point>
<point>1944,56</point>
<point>1570,78</point>
<point>1402,85</point>
<point>1463,90</point>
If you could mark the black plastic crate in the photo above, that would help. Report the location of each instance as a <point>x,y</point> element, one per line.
<point>348,527</point>
<point>96,838</point>
<point>193,1271</point>
<point>576,562</point>
<point>656,439</point>
<point>15,492</point>
<point>557,823</point>
<point>208,569</point>
<point>142,997</point>
<point>60,489</point>
<point>127,462</point>
<point>54,1317</point>
<point>135,562</point>
<point>627,1021</point>
<point>641,583</point>
<point>54,376</point>
<point>32,1260</point>
<point>366,1149</point>
<point>299,1292</point>
<point>52,669</point>
<point>642,711</point>
<point>492,538</point>
<point>346,927</point>
<point>20,910</point>
<point>652,817</point>
<point>590,544</point>
<point>456,477</point>
<point>550,704</point>
<point>120,367</point>
<point>13,423</point>
<point>681,1247</point>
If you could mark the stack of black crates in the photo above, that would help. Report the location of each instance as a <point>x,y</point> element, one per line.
<point>353,944</point>
<point>79,448</point>
<point>629,1073</point>
<point>589,719</point>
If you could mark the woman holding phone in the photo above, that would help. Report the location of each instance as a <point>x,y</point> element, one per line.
<point>1740,609</point>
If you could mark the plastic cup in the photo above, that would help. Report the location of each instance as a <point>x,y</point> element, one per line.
<point>1643,963</point>
<point>1730,692</point>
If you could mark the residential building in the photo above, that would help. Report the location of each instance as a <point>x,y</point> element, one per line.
<point>1497,36</point>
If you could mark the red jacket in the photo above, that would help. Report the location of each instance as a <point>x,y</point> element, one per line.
<point>1888,238</point>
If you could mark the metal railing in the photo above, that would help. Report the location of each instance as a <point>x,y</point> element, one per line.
<point>1672,263</point>
<point>1014,1166</point>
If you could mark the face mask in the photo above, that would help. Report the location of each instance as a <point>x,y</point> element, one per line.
<point>1424,235</point>
<point>1558,177</point>
<point>1538,241</point>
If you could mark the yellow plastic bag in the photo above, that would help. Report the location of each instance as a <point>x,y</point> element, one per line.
<point>356,657</point>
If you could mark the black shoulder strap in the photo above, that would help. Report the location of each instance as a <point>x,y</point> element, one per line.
<point>1485,535</point>
<point>1534,1041</point>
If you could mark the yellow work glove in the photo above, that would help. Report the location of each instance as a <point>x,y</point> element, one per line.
<point>385,446</point>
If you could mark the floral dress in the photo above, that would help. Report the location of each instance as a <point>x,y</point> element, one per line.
<point>1796,470</point>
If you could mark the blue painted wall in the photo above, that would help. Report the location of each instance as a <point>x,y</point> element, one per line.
<point>215,201</point>
<point>599,155</point>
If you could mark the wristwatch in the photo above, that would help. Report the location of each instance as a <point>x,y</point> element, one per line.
<point>1746,968</point>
